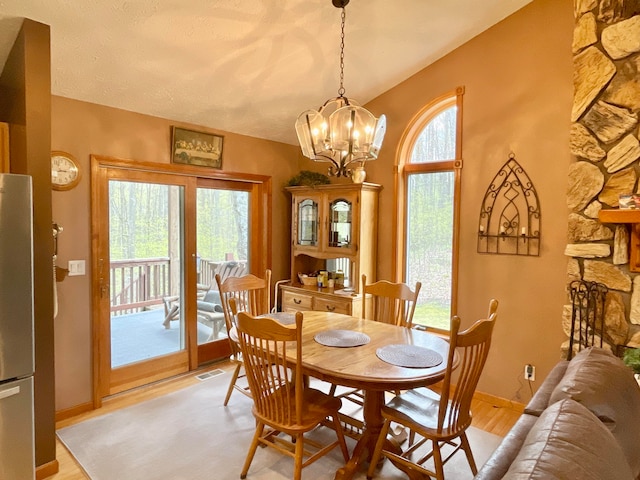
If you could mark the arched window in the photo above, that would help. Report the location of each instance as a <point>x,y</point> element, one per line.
<point>428,185</point>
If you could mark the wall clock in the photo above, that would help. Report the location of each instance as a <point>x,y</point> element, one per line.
<point>65,171</point>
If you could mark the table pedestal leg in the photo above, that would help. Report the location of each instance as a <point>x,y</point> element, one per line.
<point>372,424</point>
<point>373,421</point>
<point>372,412</point>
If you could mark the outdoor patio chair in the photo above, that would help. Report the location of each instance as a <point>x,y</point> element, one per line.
<point>172,304</point>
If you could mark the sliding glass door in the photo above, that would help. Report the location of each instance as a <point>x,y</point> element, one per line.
<point>141,278</point>
<point>146,249</point>
<point>223,236</point>
<point>159,240</point>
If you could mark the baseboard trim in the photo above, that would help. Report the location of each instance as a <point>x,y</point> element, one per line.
<point>47,470</point>
<point>499,401</point>
<point>73,411</point>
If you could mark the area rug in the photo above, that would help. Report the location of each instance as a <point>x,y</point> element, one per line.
<point>190,435</point>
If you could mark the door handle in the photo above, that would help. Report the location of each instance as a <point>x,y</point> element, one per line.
<point>9,392</point>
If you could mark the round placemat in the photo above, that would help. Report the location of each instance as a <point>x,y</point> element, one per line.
<point>411,356</point>
<point>341,338</point>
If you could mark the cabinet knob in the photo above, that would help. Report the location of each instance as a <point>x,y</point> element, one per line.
<point>330,308</point>
<point>297,301</point>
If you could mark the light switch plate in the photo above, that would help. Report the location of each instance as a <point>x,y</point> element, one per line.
<point>76,267</point>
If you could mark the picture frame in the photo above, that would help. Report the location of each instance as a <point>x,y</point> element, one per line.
<point>191,147</point>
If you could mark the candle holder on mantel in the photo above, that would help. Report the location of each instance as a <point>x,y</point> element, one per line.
<point>510,214</point>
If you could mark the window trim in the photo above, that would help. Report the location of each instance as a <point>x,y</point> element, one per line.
<point>403,168</point>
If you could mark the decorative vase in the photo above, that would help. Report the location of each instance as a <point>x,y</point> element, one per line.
<point>358,174</point>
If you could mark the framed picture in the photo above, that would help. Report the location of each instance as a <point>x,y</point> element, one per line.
<point>196,148</point>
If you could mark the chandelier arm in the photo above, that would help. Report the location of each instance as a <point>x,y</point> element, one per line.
<point>329,159</point>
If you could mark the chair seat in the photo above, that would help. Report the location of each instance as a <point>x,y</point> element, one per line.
<point>316,407</point>
<point>417,408</point>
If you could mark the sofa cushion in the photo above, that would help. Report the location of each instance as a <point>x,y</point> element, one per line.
<point>605,385</point>
<point>500,460</point>
<point>540,400</point>
<point>569,442</point>
<point>209,307</point>
<point>212,296</point>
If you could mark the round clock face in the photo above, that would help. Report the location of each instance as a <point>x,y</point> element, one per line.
<point>65,172</point>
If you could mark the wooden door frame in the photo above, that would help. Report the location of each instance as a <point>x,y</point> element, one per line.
<point>102,170</point>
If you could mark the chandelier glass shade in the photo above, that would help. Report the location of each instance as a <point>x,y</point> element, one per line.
<point>341,131</point>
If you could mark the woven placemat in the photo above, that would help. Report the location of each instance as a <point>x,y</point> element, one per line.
<point>342,338</point>
<point>282,317</point>
<point>411,356</point>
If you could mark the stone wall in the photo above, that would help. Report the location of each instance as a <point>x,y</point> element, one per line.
<point>604,139</point>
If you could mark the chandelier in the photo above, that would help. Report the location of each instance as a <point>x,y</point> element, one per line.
<point>341,131</point>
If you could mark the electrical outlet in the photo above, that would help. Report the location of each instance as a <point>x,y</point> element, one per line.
<point>530,373</point>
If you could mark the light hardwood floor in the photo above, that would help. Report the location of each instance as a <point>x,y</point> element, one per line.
<point>492,416</point>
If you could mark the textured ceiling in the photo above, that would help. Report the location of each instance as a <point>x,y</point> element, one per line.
<point>244,66</point>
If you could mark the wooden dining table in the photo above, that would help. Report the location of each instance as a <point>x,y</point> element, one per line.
<point>359,367</point>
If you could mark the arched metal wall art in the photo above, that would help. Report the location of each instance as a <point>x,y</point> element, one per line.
<point>510,214</point>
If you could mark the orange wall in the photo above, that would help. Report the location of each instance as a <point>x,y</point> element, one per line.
<point>518,81</point>
<point>83,129</point>
<point>518,90</point>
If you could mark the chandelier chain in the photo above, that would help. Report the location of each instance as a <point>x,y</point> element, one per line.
<point>340,132</point>
<point>341,90</point>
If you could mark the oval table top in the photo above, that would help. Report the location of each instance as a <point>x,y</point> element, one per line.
<point>359,366</point>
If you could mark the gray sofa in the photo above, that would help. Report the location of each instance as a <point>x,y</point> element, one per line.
<point>583,423</point>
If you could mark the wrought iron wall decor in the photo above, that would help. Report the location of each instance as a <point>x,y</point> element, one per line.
<point>510,214</point>
<point>587,315</point>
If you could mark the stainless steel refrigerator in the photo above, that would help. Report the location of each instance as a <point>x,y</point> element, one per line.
<point>17,459</point>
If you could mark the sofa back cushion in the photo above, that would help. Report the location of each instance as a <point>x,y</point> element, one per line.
<point>602,383</point>
<point>569,442</point>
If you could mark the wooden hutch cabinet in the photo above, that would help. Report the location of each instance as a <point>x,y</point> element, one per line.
<point>333,228</point>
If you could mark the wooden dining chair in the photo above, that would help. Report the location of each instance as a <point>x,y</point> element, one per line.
<point>392,303</point>
<point>252,294</point>
<point>284,407</point>
<point>444,418</point>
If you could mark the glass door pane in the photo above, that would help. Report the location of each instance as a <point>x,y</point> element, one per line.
<point>223,239</point>
<point>308,223</point>
<point>145,251</point>
<point>430,200</point>
<point>340,223</point>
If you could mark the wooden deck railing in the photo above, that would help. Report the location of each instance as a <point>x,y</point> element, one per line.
<point>137,284</point>
<point>141,283</point>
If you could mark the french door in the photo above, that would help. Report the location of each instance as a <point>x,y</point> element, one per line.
<point>159,239</point>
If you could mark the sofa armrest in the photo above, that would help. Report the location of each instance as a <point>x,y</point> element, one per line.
<point>540,400</point>
<point>498,463</point>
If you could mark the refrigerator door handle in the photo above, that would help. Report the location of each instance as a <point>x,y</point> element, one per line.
<point>9,392</point>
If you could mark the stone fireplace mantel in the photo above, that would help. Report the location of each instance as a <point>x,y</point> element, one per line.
<point>631,217</point>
